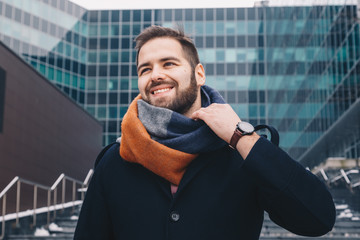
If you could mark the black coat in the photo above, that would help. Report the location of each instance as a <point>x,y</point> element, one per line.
<point>221,196</point>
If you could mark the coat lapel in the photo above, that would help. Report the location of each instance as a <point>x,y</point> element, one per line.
<point>195,167</point>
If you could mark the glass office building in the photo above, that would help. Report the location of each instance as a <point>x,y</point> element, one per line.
<point>294,67</point>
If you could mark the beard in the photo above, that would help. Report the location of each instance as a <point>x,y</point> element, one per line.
<point>183,100</point>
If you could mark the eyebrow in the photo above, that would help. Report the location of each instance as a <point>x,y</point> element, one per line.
<point>161,60</point>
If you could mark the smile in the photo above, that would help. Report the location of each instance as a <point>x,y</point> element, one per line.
<point>161,90</point>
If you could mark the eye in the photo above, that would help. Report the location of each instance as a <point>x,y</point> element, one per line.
<point>144,70</point>
<point>168,64</point>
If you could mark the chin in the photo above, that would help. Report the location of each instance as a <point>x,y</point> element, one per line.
<point>164,103</point>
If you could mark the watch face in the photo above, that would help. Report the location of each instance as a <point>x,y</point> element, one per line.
<point>245,127</point>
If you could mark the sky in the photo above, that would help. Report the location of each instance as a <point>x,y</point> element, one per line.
<point>163,4</point>
<point>151,4</point>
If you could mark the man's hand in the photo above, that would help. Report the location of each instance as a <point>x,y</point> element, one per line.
<point>222,119</point>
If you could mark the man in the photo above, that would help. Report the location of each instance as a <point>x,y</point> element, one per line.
<point>174,175</point>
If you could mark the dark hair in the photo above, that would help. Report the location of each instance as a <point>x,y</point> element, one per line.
<point>154,31</point>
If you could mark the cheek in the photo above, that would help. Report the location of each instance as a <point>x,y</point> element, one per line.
<point>184,78</point>
<point>141,84</point>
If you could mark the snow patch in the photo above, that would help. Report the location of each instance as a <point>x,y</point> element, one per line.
<point>341,206</point>
<point>55,228</point>
<point>41,232</point>
<point>346,214</point>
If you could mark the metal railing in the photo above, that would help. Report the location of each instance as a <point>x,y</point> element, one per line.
<point>342,175</point>
<point>36,186</point>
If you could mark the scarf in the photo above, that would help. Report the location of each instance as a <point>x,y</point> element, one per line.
<point>165,142</point>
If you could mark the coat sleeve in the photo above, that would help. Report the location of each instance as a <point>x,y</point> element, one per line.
<point>294,198</point>
<point>94,220</point>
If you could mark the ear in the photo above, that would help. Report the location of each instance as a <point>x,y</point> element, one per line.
<point>200,74</point>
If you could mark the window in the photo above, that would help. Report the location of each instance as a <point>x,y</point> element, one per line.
<point>124,98</point>
<point>168,14</point>
<point>114,43</point>
<point>2,97</point>
<point>199,15</point>
<point>136,29</point>
<point>8,11</point>
<point>178,15</point>
<point>220,42</point>
<point>188,14</point>
<point>230,14</point>
<point>27,18</point>
<point>147,15</point>
<point>209,14</point>
<point>209,42</point>
<point>219,14</point>
<point>104,43</point>
<point>137,15</point>
<point>113,98</point>
<point>104,16</point>
<point>102,99</point>
<point>36,22</point>
<point>115,16</point>
<point>126,16</point>
<point>17,15</point>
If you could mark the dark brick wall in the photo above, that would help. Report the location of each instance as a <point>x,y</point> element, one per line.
<point>2,96</point>
<point>44,132</point>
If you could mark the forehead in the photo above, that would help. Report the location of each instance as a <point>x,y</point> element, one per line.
<point>159,48</point>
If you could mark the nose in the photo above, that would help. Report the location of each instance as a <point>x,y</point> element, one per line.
<point>157,74</point>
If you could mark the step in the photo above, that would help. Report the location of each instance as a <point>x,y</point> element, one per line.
<point>63,228</point>
<point>51,237</point>
<point>307,238</point>
<point>68,222</point>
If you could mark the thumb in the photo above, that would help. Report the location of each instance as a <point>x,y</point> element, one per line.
<point>195,115</point>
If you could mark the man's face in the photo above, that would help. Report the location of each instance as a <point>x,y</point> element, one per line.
<point>166,78</point>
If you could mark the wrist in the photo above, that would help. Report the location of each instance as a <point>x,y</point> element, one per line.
<point>246,143</point>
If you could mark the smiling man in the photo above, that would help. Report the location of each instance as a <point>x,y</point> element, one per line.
<point>187,167</point>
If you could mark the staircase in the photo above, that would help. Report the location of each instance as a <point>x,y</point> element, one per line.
<point>347,227</point>
<point>62,228</point>
<point>19,223</point>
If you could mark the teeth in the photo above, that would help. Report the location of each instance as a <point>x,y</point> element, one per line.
<point>161,90</point>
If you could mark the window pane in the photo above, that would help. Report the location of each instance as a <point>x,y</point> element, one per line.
<point>102,84</point>
<point>91,84</point>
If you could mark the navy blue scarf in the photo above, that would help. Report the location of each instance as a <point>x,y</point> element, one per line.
<point>179,132</point>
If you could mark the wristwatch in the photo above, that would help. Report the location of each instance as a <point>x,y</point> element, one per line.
<point>242,128</point>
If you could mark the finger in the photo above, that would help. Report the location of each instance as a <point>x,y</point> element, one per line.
<point>195,115</point>
<point>198,114</point>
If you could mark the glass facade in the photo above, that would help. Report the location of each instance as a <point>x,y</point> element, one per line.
<point>48,35</point>
<point>296,68</point>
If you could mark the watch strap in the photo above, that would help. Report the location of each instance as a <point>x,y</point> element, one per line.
<point>235,138</point>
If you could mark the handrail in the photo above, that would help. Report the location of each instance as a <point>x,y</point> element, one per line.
<point>347,180</point>
<point>324,175</point>
<point>88,177</point>
<point>17,180</point>
<point>53,189</point>
<point>345,175</point>
<point>57,181</point>
<point>62,179</point>
<point>357,184</point>
<point>6,189</point>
